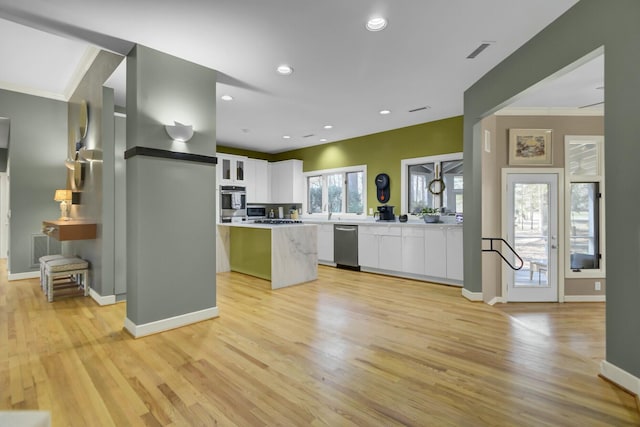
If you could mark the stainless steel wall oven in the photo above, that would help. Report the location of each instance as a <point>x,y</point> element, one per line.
<point>233,203</point>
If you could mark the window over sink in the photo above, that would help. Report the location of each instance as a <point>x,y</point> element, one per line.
<point>434,182</point>
<point>336,191</point>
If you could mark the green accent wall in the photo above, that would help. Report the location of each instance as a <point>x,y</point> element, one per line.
<point>380,152</point>
<point>251,251</point>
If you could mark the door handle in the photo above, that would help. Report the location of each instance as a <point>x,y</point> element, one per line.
<point>554,246</point>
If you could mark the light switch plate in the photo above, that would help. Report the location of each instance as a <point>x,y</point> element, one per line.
<point>487,141</point>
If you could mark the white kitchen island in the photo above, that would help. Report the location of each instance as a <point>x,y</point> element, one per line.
<point>284,254</point>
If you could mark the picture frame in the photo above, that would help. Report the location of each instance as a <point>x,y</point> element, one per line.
<point>530,147</point>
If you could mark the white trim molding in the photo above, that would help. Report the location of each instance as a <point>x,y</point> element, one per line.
<point>471,296</point>
<point>497,300</point>
<point>22,276</point>
<point>171,323</point>
<point>620,377</point>
<point>102,300</point>
<point>585,298</point>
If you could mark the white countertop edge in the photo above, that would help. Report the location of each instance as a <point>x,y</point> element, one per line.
<point>264,226</point>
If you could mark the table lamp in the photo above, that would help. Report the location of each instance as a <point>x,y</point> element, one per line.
<point>63,196</point>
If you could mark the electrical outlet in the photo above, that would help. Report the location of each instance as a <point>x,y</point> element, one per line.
<point>370,211</point>
<point>598,286</point>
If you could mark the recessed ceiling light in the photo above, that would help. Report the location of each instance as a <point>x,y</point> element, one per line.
<point>285,70</point>
<point>328,126</point>
<point>226,98</point>
<point>323,139</point>
<point>286,137</point>
<point>385,112</point>
<point>376,23</point>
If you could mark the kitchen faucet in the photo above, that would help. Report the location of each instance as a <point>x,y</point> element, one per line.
<point>328,212</point>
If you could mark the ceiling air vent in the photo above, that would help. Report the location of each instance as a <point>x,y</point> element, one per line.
<point>478,50</point>
<point>419,109</point>
<point>308,136</point>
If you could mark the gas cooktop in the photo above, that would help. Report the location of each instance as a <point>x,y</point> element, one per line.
<point>277,221</point>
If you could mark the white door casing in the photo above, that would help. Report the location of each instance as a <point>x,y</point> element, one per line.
<point>537,238</point>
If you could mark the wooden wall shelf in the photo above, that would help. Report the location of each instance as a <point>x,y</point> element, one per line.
<point>70,230</point>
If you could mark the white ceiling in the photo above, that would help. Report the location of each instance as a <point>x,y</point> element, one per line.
<point>343,75</point>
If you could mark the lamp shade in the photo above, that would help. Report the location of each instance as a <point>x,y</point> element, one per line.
<point>62,195</point>
<point>179,131</point>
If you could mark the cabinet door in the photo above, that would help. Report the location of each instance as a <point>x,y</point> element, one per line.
<point>250,180</point>
<point>413,250</point>
<point>239,171</point>
<point>231,169</point>
<point>367,246</point>
<point>325,242</point>
<point>225,169</point>
<point>262,182</point>
<point>390,248</point>
<point>435,251</point>
<point>278,183</point>
<point>455,265</point>
<point>287,182</point>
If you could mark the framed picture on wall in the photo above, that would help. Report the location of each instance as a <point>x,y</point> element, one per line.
<point>530,147</point>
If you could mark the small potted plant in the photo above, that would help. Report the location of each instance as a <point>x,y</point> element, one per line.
<point>430,215</point>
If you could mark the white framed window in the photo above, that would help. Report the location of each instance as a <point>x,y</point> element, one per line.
<point>419,173</point>
<point>336,191</point>
<point>584,207</point>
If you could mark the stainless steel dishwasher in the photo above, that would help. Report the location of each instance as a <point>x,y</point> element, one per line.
<point>345,246</point>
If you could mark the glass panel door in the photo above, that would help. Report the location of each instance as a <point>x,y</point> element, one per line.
<point>533,218</point>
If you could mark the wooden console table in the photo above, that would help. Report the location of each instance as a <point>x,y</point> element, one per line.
<point>70,230</point>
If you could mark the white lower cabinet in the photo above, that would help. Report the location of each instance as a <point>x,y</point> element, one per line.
<point>390,249</point>
<point>435,251</point>
<point>325,242</point>
<point>431,251</point>
<point>455,264</point>
<point>367,246</point>
<point>413,250</point>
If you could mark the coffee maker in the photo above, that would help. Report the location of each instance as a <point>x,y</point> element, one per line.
<point>385,213</point>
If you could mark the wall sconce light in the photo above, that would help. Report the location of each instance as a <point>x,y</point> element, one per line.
<point>179,131</point>
<point>63,196</point>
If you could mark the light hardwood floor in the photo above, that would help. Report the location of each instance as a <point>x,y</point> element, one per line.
<point>348,349</point>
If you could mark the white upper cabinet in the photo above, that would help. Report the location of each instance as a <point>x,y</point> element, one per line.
<point>231,170</point>
<point>258,181</point>
<point>287,182</point>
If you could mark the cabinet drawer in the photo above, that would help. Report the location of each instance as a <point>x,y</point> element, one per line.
<point>69,230</point>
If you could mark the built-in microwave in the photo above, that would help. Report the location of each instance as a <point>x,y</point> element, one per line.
<point>256,212</point>
<point>233,203</point>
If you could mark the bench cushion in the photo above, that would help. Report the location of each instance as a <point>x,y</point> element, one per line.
<point>67,264</point>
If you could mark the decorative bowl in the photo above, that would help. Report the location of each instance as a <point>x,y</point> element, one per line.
<point>430,219</point>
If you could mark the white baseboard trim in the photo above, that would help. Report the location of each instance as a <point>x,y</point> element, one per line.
<point>22,276</point>
<point>102,300</point>
<point>585,298</point>
<point>620,377</point>
<point>496,300</point>
<point>171,323</point>
<point>471,296</point>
